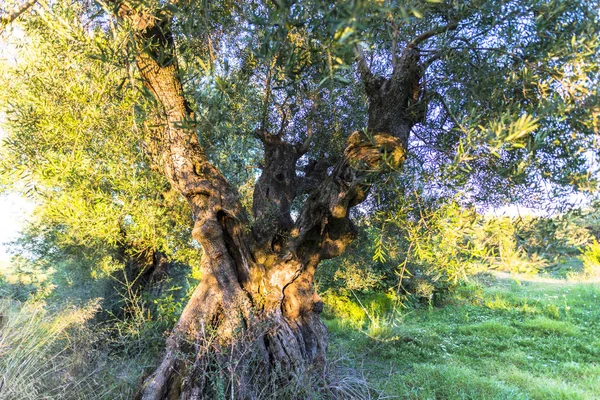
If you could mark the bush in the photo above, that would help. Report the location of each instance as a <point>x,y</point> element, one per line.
<point>591,261</point>
<point>340,306</point>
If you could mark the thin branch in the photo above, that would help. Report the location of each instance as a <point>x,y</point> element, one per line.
<point>371,82</point>
<point>363,67</point>
<point>433,58</point>
<point>263,123</point>
<point>211,55</point>
<point>394,45</point>
<point>309,129</point>
<point>450,114</point>
<point>7,19</point>
<point>431,33</point>
<point>429,145</point>
<point>283,115</point>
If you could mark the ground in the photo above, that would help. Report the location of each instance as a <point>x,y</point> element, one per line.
<point>499,338</point>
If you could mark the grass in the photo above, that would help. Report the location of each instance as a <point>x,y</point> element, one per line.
<point>48,354</point>
<point>33,362</point>
<point>502,339</point>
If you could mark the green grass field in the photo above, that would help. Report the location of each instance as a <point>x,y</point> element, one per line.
<point>497,339</point>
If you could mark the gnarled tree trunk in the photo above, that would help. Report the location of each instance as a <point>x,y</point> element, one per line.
<point>254,318</point>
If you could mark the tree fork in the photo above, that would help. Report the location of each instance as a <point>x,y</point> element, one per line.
<point>256,300</point>
<point>242,284</point>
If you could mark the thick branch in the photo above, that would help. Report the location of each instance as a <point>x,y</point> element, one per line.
<point>324,227</point>
<point>396,104</point>
<point>275,189</point>
<point>372,82</point>
<point>183,159</point>
<point>212,200</point>
<point>363,67</point>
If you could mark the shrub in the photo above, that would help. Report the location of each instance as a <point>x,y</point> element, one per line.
<point>591,261</point>
<point>339,305</point>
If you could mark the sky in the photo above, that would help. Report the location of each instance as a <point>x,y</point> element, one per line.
<point>14,210</point>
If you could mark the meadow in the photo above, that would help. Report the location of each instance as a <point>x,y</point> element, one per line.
<point>514,326</point>
<point>498,337</point>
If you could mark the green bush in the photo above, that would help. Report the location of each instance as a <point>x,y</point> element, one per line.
<point>591,261</point>
<point>340,306</point>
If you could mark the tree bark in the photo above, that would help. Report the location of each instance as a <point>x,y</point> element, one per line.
<point>253,321</point>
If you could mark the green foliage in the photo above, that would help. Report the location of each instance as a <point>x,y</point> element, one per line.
<point>512,121</point>
<point>440,241</point>
<point>421,253</point>
<point>344,308</point>
<point>76,147</point>
<point>591,261</point>
<point>512,117</point>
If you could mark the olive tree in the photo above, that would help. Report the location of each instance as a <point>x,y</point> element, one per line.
<point>338,100</point>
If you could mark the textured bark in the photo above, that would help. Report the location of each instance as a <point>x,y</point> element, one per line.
<point>254,318</point>
<point>275,189</point>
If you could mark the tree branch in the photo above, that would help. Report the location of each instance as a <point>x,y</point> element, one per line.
<point>283,115</point>
<point>439,54</point>
<point>395,46</point>
<point>7,19</point>
<point>448,112</point>
<point>431,33</point>
<point>372,82</point>
<point>306,144</point>
<point>363,67</point>
<point>309,129</point>
<point>182,157</point>
<point>323,228</point>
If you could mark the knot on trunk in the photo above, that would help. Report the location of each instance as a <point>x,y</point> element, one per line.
<point>377,153</point>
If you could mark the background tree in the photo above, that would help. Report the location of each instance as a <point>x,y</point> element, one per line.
<point>103,214</point>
